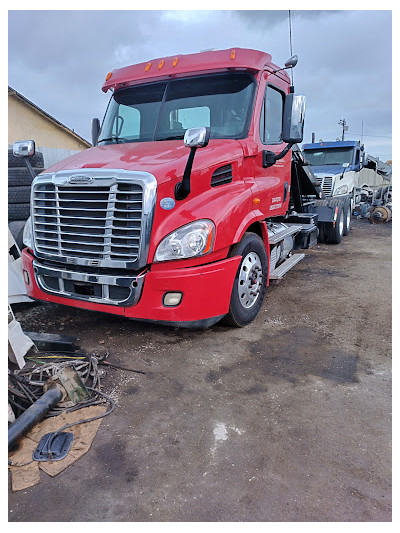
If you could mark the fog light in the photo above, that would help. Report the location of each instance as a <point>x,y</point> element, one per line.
<point>26,277</point>
<point>172,299</point>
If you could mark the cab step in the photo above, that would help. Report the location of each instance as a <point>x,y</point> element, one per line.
<point>274,238</point>
<point>284,267</point>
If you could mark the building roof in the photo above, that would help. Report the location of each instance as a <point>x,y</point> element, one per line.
<point>13,92</point>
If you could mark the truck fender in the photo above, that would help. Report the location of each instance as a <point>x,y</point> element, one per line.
<point>255,218</point>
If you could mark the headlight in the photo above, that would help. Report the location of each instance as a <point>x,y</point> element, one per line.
<point>192,240</point>
<point>343,189</point>
<point>27,234</point>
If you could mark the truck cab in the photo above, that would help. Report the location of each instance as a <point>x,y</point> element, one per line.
<point>337,166</point>
<point>176,215</point>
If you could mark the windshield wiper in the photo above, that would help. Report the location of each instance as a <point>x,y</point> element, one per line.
<point>117,139</point>
<point>171,138</point>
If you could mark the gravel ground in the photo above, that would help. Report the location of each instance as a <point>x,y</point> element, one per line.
<point>288,419</point>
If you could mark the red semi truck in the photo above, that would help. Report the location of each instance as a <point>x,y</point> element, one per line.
<point>192,198</point>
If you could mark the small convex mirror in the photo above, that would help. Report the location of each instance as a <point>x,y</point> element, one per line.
<point>24,148</point>
<point>197,137</point>
<point>291,62</point>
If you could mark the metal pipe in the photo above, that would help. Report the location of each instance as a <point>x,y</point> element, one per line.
<point>33,415</point>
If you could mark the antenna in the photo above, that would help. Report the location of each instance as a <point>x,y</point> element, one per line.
<point>290,40</point>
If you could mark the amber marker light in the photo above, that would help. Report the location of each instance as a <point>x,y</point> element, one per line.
<point>147,67</point>
<point>108,76</point>
<point>256,201</point>
<point>233,54</point>
<point>161,63</point>
<point>175,61</point>
<point>209,243</point>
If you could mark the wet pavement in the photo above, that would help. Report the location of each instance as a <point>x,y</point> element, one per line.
<point>288,419</point>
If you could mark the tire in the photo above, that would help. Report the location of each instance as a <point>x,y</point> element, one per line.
<point>17,230</point>
<point>251,274</point>
<point>334,233</point>
<point>19,195</point>
<point>321,233</point>
<point>20,177</point>
<point>36,160</point>
<point>18,211</point>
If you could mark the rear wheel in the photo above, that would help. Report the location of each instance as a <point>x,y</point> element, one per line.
<point>346,217</point>
<point>334,232</point>
<point>249,286</point>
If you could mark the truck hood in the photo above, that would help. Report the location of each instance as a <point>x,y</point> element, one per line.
<point>166,160</point>
<point>328,170</point>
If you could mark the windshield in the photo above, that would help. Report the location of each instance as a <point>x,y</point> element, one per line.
<point>165,110</point>
<point>329,156</point>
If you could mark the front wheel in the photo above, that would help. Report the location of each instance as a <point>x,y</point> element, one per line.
<point>250,282</point>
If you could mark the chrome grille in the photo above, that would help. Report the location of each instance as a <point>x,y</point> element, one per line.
<point>105,221</point>
<point>325,182</point>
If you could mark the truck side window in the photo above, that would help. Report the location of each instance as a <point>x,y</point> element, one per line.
<point>271,117</point>
<point>357,160</point>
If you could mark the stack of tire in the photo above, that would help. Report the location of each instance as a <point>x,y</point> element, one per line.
<point>19,192</point>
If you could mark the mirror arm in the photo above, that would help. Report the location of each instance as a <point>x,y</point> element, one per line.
<point>29,167</point>
<point>182,189</point>
<point>270,158</point>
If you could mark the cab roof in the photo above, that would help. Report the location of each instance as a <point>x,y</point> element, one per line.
<point>175,66</point>
<point>330,144</point>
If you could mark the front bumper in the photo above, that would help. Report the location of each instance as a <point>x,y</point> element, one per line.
<point>206,291</point>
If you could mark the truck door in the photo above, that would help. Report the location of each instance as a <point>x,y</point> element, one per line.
<point>273,183</point>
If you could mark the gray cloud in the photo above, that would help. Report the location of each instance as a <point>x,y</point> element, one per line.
<point>59,59</point>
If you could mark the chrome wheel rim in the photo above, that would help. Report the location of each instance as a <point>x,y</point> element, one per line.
<point>250,280</point>
<point>348,218</point>
<point>341,225</point>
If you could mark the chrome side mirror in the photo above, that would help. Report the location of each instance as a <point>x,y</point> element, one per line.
<point>24,148</point>
<point>194,138</point>
<point>293,118</point>
<point>197,137</point>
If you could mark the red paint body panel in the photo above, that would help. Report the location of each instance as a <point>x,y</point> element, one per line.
<point>206,292</point>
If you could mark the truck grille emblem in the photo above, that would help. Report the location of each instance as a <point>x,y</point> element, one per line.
<point>80,179</point>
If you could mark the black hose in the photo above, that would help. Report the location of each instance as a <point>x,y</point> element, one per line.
<point>33,415</point>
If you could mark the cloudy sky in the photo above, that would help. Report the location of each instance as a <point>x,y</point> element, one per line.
<point>59,59</point>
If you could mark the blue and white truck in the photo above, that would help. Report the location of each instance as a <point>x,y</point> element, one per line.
<point>343,169</point>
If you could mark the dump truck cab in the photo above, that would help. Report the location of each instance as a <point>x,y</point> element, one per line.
<point>337,166</point>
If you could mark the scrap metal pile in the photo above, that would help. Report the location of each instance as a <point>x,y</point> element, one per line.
<point>51,384</point>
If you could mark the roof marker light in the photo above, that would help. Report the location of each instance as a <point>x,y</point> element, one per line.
<point>161,63</point>
<point>147,67</point>
<point>108,76</point>
<point>233,54</point>
<point>175,61</point>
